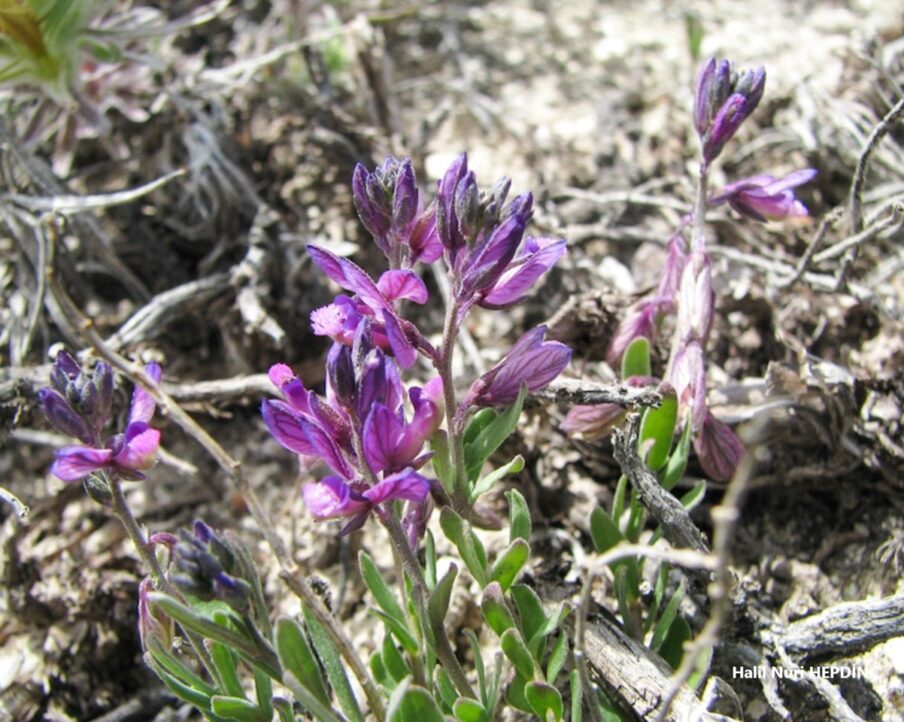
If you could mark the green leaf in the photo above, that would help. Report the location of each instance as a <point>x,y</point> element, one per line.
<point>263,690</point>
<point>183,691</point>
<point>237,708</point>
<point>519,655</point>
<point>384,596</point>
<point>677,463</point>
<point>618,499</point>
<point>515,696</point>
<point>477,424</point>
<point>333,664</point>
<point>438,603</point>
<point>537,643</point>
<point>693,28</point>
<point>510,562</point>
<point>320,711</point>
<point>447,691</point>
<point>657,431</point>
<point>519,516</point>
<point>393,661</point>
<point>530,609</point>
<point>636,359</point>
<point>491,435</point>
<point>545,701</point>
<point>297,657</point>
<point>410,703</point>
<point>441,461</point>
<point>557,659</point>
<point>665,621</point>
<point>458,531</point>
<point>176,669</point>
<point>672,649</point>
<point>205,627</point>
<point>478,664</point>
<point>487,482</point>
<point>399,629</point>
<point>378,671</point>
<point>495,610</point>
<point>694,496</point>
<point>577,696</point>
<point>609,712</point>
<point>470,710</point>
<point>430,556</point>
<point>283,709</point>
<point>603,531</point>
<point>224,660</point>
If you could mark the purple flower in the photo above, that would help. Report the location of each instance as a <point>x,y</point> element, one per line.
<point>333,497</point>
<point>531,361</point>
<point>390,442</point>
<point>722,102</point>
<point>687,374</point>
<point>374,301</point>
<point>641,321</point>
<point>718,449</point>
<point>207,567</point>
<point>765,198</point>
<point>388,204</point>
<point>535,259</point>
<point>126,454</point>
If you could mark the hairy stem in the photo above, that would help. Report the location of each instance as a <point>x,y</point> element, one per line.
<point>444,651</point>
<point>444,367</point>
<point>123,512</point>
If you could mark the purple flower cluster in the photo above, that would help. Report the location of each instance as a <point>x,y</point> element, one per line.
<point>723,100</point>
<point>368,429</point>
<point>78,404</point>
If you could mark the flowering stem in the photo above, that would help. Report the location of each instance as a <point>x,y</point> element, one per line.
<point>444,367</point>
<point>123,512</point>
<point>444,651</point>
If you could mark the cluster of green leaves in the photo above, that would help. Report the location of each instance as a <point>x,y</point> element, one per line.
<point>664,445</point>
<point>43,42</point>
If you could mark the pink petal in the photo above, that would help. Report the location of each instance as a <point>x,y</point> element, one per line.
<point>403,284</point>
<point>143,403</point>
<point>140,451</point>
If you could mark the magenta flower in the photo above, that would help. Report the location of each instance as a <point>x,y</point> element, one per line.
<point>765,198</point>
<point>535,259</point>
<point>373,301</point>
<point>531,361</point>
<point>333,498</point>
<point>126,454</point>
<point>718,449</point>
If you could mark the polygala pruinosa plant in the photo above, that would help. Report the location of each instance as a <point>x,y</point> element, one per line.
<point>395,448</point>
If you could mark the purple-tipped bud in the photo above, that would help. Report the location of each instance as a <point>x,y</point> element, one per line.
<point>62,416</point>
<point>487,263</point>
<point>372,214</point>
<point>446,219</point>
<point>467,206</point>
<point>155,629</point>
<point>341,373</point>
<point>764,198</point>
<point>404,198</point>
<point>531,361</point>
<point>102,378</point>
<point>208,567</point>
<point>718,449</point>
<point>65,370</point>
<point>722,101</point>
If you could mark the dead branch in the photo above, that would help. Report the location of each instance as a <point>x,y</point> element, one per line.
<point>845,629</point>
<point>590,392</point>
<point>674,519</point>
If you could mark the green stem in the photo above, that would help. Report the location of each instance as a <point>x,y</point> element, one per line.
<point>444,651</point>
<point>123,512</point>
<point>444,367</point>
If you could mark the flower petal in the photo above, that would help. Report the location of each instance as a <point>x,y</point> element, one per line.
<point>143,403</point>
<point>406,484</point>
<point>287,427</point>
<point>140,450</point>
<point>329,498</point>
<point>382,434</point>
<point>402,284</point>
<point>514,283</point>
<point>74,462</point>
